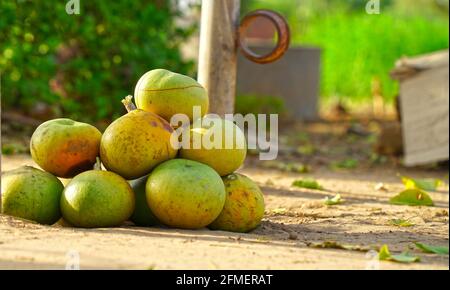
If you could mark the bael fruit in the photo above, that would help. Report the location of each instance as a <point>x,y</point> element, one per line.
<point>97,198</point>
<point>244,205</point>
<point>142,215</point>
<point>31,194</point>
<point>166,93</point>
<point>185,194</point>
<point>136,142</point>
<point>224,160</point>
<point>65,147</point>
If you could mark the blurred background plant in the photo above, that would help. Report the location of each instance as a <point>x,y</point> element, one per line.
<point>253,104</point>
<point>358,48</point>
<point>80,66</point>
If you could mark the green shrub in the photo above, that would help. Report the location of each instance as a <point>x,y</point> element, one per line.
<point>253,104</point>
<point>359,48</point>
<point>82,65</point>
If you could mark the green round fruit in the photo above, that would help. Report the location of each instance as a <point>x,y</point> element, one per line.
<point>97,198</point>
<point>185,194</point>
<point>225,160</point>
<point>244,205</point>
<point>31,194</point>
<point>135,143</point>
<point>166,93</point>
<point>64,147</point>
<point>142,215</point>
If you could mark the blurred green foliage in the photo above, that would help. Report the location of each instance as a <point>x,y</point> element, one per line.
<point>83,65</point>
<point>359,48</point>
<point>252,104</point>
<point>258,104</point>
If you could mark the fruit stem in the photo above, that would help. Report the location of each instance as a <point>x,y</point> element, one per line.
<point>128,103</point>
<point>98,164</point>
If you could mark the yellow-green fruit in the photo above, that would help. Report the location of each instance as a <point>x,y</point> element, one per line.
<point>244,205</point>
<point>185,194</point>
<point>214,150</point>
<point>135,143</point>
<point>31,194</point>
<point>166,93</point>
<point>142,215</point>
<point>64,147</point>
<point>97,198</point>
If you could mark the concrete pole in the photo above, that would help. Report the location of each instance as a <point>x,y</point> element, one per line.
<point>218,53</point>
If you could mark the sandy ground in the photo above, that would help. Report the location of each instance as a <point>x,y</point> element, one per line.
<point>294,219</point>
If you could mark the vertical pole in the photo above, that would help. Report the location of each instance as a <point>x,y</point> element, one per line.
<point>218,49</point>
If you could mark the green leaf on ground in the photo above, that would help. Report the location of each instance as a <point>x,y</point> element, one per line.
<point>432,249</point>
<point>402,223</point>
<point>404,257</point>
<point>303,137</point>
<point>428,184</point>
<point>375,158</point>
<point>263,239</point>
<point>345,164</point>
<point>288,167</point>
<point>334,200</point>
<point>307,149</point>
<point>307,183</point>
<point>371,139</point>
<point>336,245</point>
<point>385,255</point>
<point>297,167</point>
<point>7,150</point>
<point>413,197</point>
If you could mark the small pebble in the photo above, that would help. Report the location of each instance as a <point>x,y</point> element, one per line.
<point>292,236</point>
<point>380,187</point>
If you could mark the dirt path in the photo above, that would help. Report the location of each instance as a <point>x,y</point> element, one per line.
<point>295,218</point>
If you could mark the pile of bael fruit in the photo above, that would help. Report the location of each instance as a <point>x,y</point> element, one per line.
<point>147,180</point>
